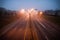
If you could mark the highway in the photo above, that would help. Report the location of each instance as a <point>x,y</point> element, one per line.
<point>30,28</point>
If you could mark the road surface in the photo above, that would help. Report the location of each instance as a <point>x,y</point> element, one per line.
<point>30,28</point>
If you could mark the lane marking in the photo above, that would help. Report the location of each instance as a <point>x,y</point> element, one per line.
<point>27,25</point>
<point>34,31</point>
<point>40,28</point>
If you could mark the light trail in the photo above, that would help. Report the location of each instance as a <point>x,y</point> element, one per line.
<point>35,35</point>
<point>26,29</point>
<point>30,26</point>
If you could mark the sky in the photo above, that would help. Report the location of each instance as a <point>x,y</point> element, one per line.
<point>28,4</point>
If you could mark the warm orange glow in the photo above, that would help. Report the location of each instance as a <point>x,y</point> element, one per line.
<point>32,9</point>
<point>29,12</point>
<point>22,11</point>
<point>41,13</point>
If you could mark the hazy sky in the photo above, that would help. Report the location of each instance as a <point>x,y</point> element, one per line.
<point>27,4</point>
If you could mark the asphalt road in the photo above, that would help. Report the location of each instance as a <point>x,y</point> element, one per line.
<point>30,28</point>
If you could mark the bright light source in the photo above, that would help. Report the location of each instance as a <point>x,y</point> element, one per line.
<point>29,12</point>
<point>32,9</point>
<point>22,11</point>
<point>41,13</point>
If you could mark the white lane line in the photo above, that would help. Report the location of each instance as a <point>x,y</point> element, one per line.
<point>41,29</point>
<point>35,35</point>
<point>41,23</point>
<point>42,32</point>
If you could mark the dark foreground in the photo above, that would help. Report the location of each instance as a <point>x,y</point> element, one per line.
<point>30,28</point>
